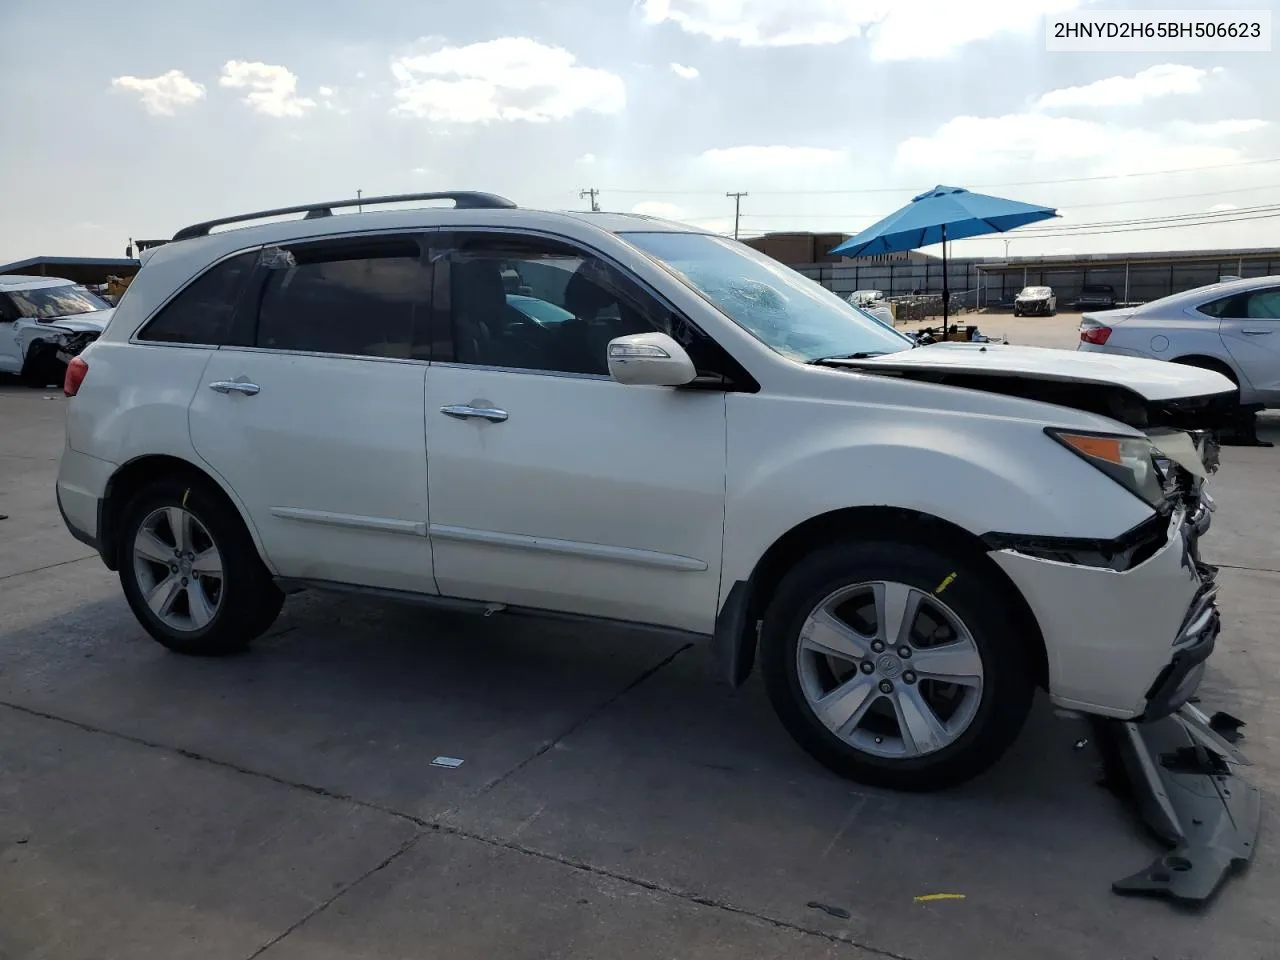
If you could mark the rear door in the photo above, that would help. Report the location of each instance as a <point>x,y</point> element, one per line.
<point>1250,329</point>
<point>313,412</point>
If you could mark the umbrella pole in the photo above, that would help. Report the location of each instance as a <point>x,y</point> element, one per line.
<point>946,291</point>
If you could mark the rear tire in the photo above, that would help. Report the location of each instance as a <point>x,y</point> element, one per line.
<point>960,628</point>
<point>190,570</point>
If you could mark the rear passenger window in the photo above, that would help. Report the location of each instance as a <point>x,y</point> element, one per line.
<point>201,314</point>
<point>362,299</point>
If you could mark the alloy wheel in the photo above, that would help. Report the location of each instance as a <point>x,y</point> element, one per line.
<point>889,669</point>
<point>178,568</point>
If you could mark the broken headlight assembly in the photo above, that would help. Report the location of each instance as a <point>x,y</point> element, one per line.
<point>1129,461</point>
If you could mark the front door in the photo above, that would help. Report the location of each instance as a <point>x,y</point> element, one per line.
<point>315,416</point>
<point>1250,331</point>
<point>552,485</point>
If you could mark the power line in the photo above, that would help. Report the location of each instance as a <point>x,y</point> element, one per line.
<point>1164,226</point>
<point>1071,206</point>
<point>1137,222</point>
<point>975,186</point>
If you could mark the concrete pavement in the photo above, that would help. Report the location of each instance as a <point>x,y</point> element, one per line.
<point>612,800</point>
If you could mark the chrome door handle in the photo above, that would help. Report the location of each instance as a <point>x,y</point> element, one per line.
<point>464,411</point>
<point>235,386</point>
<point>1255,332</point>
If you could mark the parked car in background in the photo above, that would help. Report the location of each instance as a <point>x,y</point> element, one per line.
<point>1035,301</point>
<point>1232,328</point>
<point>1096,296</point>
<point>908,540</point>
<point>44,322</point>
<point>866,298</point>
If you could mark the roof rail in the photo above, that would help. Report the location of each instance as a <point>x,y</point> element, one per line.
<point>462,200</point>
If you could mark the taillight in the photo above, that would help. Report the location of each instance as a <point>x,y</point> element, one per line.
<point>1095,335</point>
<point>76,370</point>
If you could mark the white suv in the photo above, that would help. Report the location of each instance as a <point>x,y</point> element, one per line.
<point>679,432</point>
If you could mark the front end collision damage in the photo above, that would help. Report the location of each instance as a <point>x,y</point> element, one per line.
<point>1172,762</point>
<point>47,343</point>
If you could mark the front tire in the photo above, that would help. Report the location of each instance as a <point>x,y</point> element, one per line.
<point>896,665</point>
<point>191,572</point>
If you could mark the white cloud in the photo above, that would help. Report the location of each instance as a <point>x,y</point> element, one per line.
<point>161,96</point>
<point>326,91</point>
<point>273,90</point>
<point>1217,129</point>
<point>751,159</point>
<point>967,146</point>
<point>587,159</point>
<point>420,171</point>
<point>687,73</point>
<point>1162,80</point>
<point>896,29</point>
<point>511,78</point>
<point>656,208</point>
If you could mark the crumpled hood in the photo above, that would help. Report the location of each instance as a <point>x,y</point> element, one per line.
<point>1153,380</point>
<point>94,322</point>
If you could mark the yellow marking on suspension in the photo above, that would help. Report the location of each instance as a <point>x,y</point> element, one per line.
<point>930,897</point>
<point>946,582</point>
<point>186,493</point>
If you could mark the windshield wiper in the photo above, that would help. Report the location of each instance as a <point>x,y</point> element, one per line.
<point>861,355</point>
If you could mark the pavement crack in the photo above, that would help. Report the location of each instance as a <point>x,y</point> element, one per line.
<point>1233,566</point>
<point>48,566</point>
<point>665,889</point>
<point>224,764</point>
<point>566,733</point>
<point>322,907</point>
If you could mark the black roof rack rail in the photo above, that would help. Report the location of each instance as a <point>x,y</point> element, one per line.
<point>462,200</point>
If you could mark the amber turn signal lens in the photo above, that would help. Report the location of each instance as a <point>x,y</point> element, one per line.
<point>1100,448</point>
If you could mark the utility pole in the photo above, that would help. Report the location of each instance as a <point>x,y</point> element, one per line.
<point>737,209</point>
<point>1006,249</point>
<point>359,205</point>
<point>591,192</point>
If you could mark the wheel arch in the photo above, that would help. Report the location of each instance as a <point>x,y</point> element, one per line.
<point>737,627</point>
<point>1207,362</point>
<point>135,474</point>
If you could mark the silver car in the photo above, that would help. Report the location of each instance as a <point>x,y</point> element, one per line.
<point>1232,328</point>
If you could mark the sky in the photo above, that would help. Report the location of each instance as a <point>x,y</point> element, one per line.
<point>829,113</point>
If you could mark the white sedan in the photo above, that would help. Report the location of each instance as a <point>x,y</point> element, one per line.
<point>1232,328</point>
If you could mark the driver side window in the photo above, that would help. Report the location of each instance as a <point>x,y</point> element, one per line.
<point>533,304</point>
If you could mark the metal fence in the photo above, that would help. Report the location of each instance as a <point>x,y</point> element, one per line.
<point>897,280</point>
<point>975,283</point>
<point>1132,282</point>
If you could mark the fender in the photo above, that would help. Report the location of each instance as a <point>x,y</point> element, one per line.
<point>972,473</point>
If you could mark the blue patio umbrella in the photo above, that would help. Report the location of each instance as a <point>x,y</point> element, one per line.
<point>937,216</point>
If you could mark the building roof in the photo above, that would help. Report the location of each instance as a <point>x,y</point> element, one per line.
<point>1153,256</point>
<point>67,262</point>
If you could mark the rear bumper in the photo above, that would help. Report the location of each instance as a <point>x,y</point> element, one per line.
<point>1123,643</point>
<point>81,485</point>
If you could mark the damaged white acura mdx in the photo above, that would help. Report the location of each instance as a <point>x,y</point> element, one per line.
<point>616,418</point>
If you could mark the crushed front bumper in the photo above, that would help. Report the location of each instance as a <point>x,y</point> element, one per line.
<point>1125,640</point>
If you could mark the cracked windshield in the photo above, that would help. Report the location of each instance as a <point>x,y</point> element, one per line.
<point>592,479</point>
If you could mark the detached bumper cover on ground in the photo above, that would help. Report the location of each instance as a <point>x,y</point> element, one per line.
<point>1181,775</point>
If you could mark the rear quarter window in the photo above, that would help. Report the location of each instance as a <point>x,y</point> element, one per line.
<point>201,313</point>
